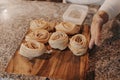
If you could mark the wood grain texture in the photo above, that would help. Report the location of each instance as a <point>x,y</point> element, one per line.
<point>59,64</point>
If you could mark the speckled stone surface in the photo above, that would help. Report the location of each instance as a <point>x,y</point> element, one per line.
<point>105,59</point>
<point>14,22</point>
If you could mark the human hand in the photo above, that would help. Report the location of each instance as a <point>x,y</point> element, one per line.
<point>99,19</point>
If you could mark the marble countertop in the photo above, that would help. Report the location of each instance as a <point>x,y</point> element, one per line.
<point>14,22</point>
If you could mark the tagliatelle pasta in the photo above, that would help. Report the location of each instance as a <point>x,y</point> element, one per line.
<point>78,44</point>
<point>58,40</point>
<point>68,28</point>
<point>31,49</point>
<point>38,35</point>
<point>42,24</point>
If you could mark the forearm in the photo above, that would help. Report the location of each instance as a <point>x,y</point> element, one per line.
<point>111,7</point>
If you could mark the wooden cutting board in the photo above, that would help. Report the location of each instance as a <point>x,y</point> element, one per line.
<point>58,65</point>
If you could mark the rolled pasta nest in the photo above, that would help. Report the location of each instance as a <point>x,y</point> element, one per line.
<point>31,49</point>
<point>68,28</point>
<point>58,40</point>
<point>42,24</point>
<point>78,44</point>
<point>38,35</point>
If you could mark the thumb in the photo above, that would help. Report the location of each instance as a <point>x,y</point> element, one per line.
<point>92,42</point>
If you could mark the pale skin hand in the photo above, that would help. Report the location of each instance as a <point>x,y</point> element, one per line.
<point>99,19</point>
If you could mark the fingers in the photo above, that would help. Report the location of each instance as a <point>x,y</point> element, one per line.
<point>95,33</point>
<point>94,41</point>
<point>98,34</point>
<point>97,40</point>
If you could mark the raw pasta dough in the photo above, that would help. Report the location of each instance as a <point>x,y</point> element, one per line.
<point>78,44</point>
<point>68,28</point>
<point>31,49</point>
<point>58,40</point>
<point>38,35</point>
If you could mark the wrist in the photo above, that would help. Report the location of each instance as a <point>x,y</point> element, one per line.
<point>104,16</point>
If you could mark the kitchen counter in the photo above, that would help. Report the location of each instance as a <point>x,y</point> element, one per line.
<point>105,59</point>
<point>14,22</point>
